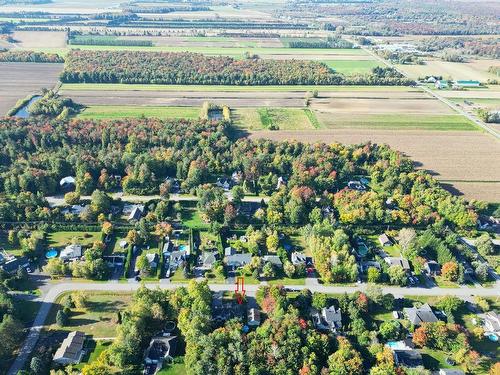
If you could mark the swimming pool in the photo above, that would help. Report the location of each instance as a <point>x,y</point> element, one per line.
<point>493,337</point>
<point>52,253</point>
<point>183,247</point>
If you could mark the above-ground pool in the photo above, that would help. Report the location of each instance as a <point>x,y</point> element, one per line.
<point>183,247</point>
<point>52,253</point>
<point>493,337</point>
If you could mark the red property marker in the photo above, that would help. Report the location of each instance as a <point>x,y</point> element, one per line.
<point>240,289</point>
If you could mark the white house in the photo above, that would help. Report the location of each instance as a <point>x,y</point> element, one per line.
<point>491,322</point>
<point>71,252</point>
<point>298,258</point>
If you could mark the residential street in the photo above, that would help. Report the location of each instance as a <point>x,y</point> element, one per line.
<point>52,291</point>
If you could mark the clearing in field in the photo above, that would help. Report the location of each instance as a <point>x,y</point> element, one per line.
<point>352,66</point>
<point>40,39</point>
<point>265,118</point>
<point>99,112</point>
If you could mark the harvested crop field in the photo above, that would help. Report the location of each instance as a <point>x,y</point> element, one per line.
<point>40,39</point>
<point>17,80</point>
<point>117,112</point>
<point>462,160</point>
<point>186,98</point>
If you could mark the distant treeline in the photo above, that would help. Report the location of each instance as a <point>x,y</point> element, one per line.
<point>160,10</point>
<point>139,67</point>
<point>331,42</point>
<point>218,24</point>
<point>102,40</point>
<point>30,56</point>
<point>16,2</point>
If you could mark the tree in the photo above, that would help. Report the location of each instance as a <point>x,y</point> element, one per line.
<point>79,299</point>
<point>346,360</point>
<point>482,303</point>
<point>319,300</point>
<point>406,237</point>
<point>272,242</point>
<point>495,369</point>
<point>238,194</point>
<point>37,366</point>
<point>55,267</point>
<point>100,202</point>
<point>420,337</point>
<point>484,245</point>
<point>389,330</point>
<point>373,275</point>
<point>450,271</point>
<point>107,228</point>
<point>268,271</point>
<point>163,230</point>
<point>449,304</point>
<point>72,198</point>
<point>133,237</point>
<point>397,275</point>
<point>61,318</point>
<point>482,272</point>
<point>142,264</point>
<point>289,269</point>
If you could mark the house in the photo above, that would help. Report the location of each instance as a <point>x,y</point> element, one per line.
<point>13,265</point>
<point>168,246</point>
<point>160,349</point>
<point>467,83</point>
<point>153,259</point>
<point>450,371</point>
<point>76,209</point>
<point>419,315</point>
<point>384,240</point>
<point>67,183</point>
<point>491,322</point>
<point>238,260</point>
<point>398,261</point>
<point>431,79</point>
<point>281,182</point>
<point>329,319</point>
<point>274,260</point>
<point>253,317</point>
<point>237,177</point>
<point>136,213</point>
<point>224,183</point>
<point>71,252</point>
<point>441,84</point>
<point>432,268</point>
<point>71,349</point>
<point>178,256</point>
<point>356,185</point>
<point>365,265</point>
<point>207,259</point>
<point>228,251</point>
<point>298,258</point>
<point>408,358</point>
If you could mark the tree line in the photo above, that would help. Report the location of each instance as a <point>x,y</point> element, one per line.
<point>138,67</point>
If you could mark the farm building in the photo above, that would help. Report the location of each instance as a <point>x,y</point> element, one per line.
<point>467,83</point>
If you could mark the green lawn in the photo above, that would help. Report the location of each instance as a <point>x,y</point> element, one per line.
<point>221,88</point>
<point>94,350</point>
<point>116,112</point>
<point>262,118</point>
<point>288,281</point>
<point>176,368</point>
<point>62,239</point>
<point>352,66</point>
<point>98,319</point>
<point>192,219</point>
<point>398,121</point>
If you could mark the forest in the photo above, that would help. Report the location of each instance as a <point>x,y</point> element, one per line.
<point>36,154</point>
<point>192,68</point>
<point>29,56</point>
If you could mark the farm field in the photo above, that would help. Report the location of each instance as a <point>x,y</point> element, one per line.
<point>17,80</point>
<point>116,112</point>
<point>40,39</point>
<point>67,6</point>
<point>463,160</point>
<point>284,118</point>
<point>473,70</point>
<point>352,66</point>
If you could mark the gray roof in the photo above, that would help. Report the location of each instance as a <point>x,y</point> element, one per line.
<point>384,238</point>
<point>450,371</point>
<point>238,260</point>
<point>208,258</point>
<point>298,258</point>
<point>136,213</point>
<point>273,259</point>
<point>408,358</point>
<point>423,314</point>
<point>71,348</point>
<point>398,261</point>
<point>13,265</point>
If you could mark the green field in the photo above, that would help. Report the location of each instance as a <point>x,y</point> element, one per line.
<point>352,66</point>
<point>62,239</point>
<point>397,121</point>
<point>236,52</point>
<point>100,112</point>
<point>262,118</point>
<point>220,88</point>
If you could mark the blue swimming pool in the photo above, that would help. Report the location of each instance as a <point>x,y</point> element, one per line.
<point>52,253</point>
<point>183,247</point>
<point>493,337</point>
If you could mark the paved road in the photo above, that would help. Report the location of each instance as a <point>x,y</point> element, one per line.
<point>57,289</point>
